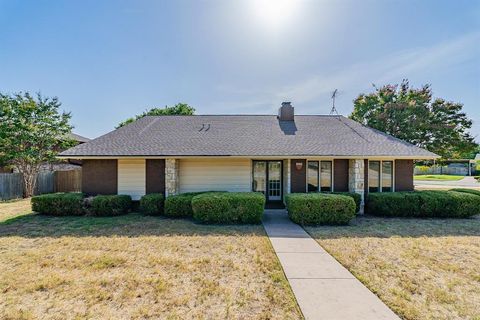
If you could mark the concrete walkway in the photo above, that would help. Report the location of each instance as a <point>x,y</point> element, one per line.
<point>323,287</point>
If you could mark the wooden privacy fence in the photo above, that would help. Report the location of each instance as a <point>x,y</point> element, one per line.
<point>11,184</point>
<point>68,181</point>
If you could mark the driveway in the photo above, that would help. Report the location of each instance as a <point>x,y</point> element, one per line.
<point>467,182</point>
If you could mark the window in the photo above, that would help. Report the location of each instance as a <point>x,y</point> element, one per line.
<point>387,176</point>
<point>380,176</point>
<point>259,176</point>
<point>374,176</point>
<point>312,176</point>
<point>322,175</point>
<point>326,176</point>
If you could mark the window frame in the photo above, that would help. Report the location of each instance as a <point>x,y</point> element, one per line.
<point>319,174</point>
<point>380,187</point>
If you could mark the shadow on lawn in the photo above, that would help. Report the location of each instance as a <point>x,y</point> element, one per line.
<point>379,227</point>
<point>130,225</point>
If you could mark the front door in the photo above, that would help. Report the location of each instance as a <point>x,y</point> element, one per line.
<point>267,178</point>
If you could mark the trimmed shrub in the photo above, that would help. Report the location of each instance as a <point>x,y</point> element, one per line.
<point>59,204</point>
<point>111,205</point>
<point>180,205</point>
<point>356,197</point>
<point>431,204</point>
<point>320,208</point>
<point>228,207</point>
<point>152,204</point>
<point>471,191</point>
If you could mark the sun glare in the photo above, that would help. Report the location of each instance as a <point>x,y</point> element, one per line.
<point>274,13</point>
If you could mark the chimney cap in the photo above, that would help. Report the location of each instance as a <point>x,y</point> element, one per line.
<point>286,103</point>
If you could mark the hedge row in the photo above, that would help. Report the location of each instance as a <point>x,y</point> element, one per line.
<point>442,204</point>
<point>152,204</point>
<point>320,208</point>
<point>74,204</point>
<point>226,207</point>
<point>471,191</point>
<point>206,207</point>
<point>357,197</point>
<point>59,204</point>
<point>180,205</point>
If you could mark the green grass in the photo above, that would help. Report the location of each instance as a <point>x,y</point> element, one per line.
<point>438,177</point>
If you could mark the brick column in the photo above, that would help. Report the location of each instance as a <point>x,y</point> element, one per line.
<point>171,177</point>
<point>356,176</point>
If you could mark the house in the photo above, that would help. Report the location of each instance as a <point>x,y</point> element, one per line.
<point>272,154</point>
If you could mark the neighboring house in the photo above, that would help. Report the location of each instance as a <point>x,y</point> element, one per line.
<point>73,164</point>
<point>53,166</point>
<point>272,154</point>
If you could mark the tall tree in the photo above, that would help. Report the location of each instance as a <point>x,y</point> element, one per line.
<point>412,115</point>
<point>32,131</point>
<point>178,109</point>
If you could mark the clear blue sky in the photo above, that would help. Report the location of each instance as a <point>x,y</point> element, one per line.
<point>109,60</point>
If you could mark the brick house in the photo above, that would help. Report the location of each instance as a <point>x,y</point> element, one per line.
<point>273,154</point>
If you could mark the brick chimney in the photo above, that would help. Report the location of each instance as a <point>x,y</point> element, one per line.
<point>286,112</point>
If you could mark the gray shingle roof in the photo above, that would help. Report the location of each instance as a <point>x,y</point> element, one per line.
<point>78,137</point>
<point>246,135</point>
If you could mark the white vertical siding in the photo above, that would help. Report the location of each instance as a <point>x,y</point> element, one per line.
<point>131,177</point>
<point>232,175</point>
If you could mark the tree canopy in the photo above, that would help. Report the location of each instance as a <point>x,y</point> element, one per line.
<point>32,131</point>
<point>178,109</point>
<point>413,115</point>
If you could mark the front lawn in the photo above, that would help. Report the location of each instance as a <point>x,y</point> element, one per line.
<point>422,269</point>
<point>437,177</point>
<point>136,266</point>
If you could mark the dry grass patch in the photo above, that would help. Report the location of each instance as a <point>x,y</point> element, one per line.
<point>137,266</point>
<point>13,208</point>
<point>422,269</point>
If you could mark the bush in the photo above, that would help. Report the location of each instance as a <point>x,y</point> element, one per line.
<point>320,208</point>
<point>112,205</point>
<point>471,191</point>
<point>180,205</point>
<point>59,204</point>
<point>357,197</point>
<point>226,207</point>
<point>442,204</point>
<point>152,204</point>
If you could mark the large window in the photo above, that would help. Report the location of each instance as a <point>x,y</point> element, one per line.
<point>326,176</point>
<point>380,176</point>
<point>374,176</point>
<point>312,176</point>
<point>387,176</point>
<point>259,176</point>
<point>319,176</point>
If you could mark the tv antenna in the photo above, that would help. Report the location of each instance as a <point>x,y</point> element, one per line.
<point>334,95</point>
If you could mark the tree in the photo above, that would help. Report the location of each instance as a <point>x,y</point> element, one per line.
<point>178,109</point>
<point>411,115</point>
<point>31,133</point>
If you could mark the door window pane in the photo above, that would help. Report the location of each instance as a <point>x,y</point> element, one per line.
<point>312,176</point>
<point>374,176</point>
<point>259,176</point>
<point>274,180</point>
<point>387,176</point>
<point>326,176</point>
